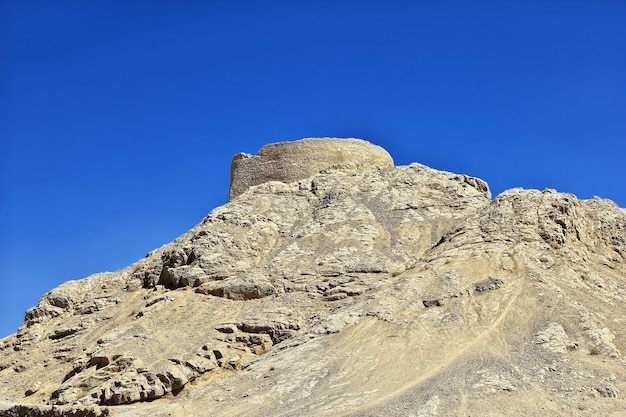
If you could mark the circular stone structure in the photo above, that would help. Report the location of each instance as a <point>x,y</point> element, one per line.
<point>292,161</point>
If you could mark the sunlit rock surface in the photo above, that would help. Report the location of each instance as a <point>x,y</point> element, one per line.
<point>354,288</point>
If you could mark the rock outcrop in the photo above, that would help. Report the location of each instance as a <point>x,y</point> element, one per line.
<point>349,289</point>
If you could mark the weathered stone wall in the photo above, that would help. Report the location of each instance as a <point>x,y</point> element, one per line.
<point>291,161</point>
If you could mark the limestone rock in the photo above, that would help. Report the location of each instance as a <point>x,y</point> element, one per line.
<point>347,290</point>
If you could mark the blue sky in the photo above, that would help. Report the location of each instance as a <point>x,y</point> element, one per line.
<point>118,119</point>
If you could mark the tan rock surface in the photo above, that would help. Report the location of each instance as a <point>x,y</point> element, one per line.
<point>399,292</point>
<point>292,161</point>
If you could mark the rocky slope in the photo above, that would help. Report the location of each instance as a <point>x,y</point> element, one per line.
<point>347,288</point>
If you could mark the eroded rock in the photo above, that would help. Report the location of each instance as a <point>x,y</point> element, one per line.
<point>336,284</point>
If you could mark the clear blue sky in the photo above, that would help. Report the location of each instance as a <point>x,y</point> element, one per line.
<point>118,119</point>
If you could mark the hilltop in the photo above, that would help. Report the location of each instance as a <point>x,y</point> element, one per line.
<point>334,283</point>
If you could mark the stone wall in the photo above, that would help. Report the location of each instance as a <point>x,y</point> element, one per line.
<point>292,161</point>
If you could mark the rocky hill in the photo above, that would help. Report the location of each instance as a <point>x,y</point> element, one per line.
<point>336,284</point>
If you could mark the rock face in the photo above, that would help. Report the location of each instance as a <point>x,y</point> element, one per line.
<point>292,161</point>
<point>356,290</point>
